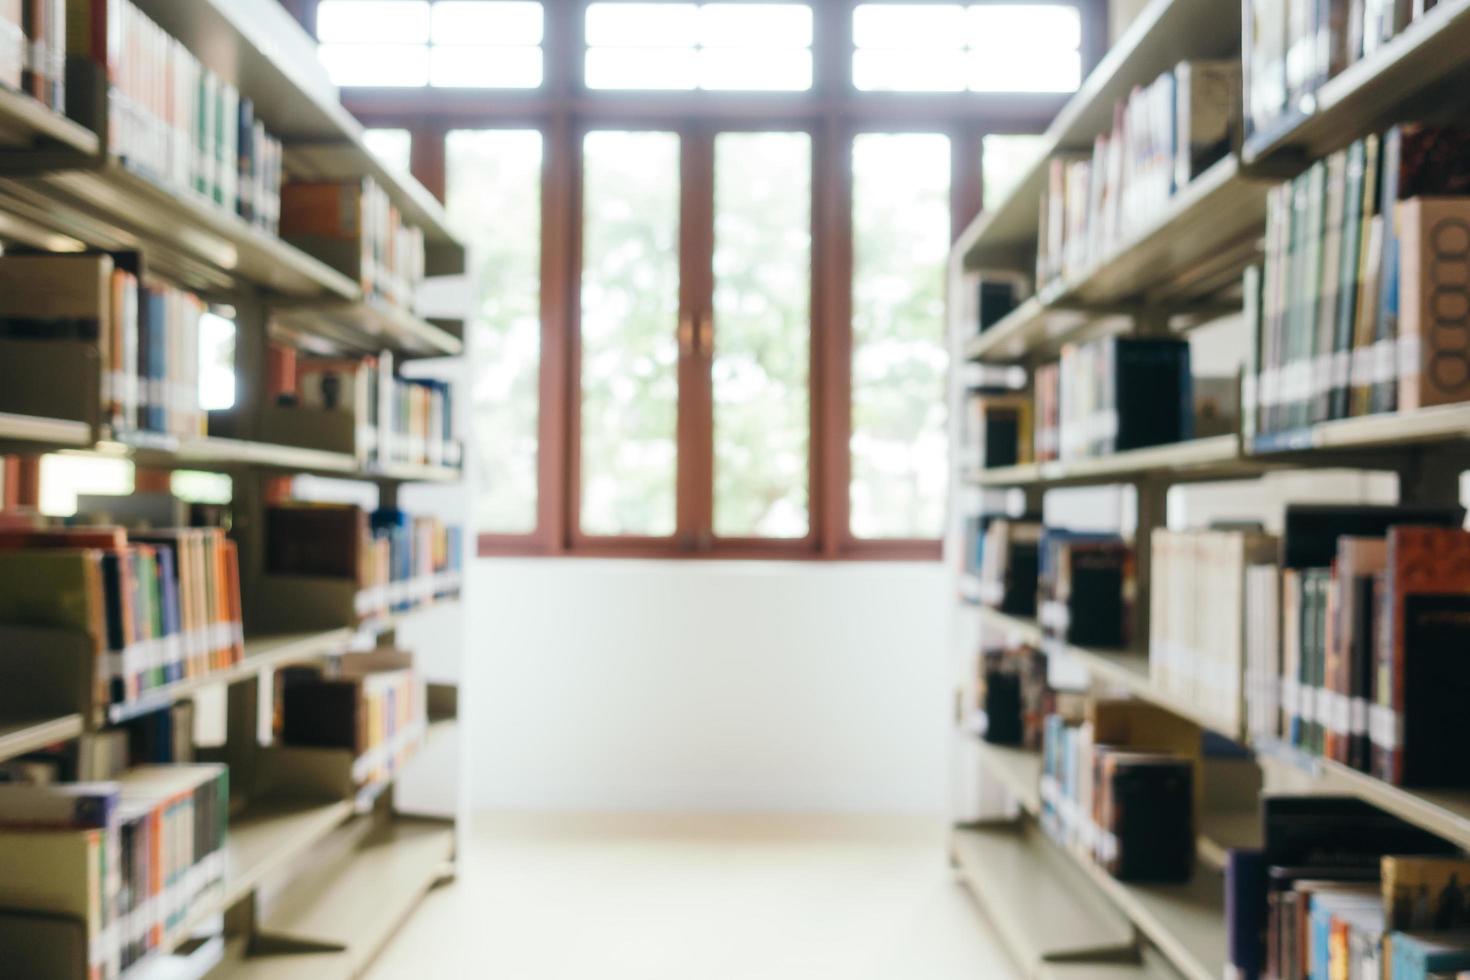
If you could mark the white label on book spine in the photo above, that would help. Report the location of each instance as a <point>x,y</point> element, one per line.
<point>1358,723</point>
<point>1342,362</point>
<point>1362,366</point>
<point>1410,353</point>
<point>1383,727</point>
<point>1385,353</point>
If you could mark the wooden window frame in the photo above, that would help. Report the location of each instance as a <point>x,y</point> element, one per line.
<point>833,111</point>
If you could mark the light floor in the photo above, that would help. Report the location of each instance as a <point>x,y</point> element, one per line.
<point>691,898</point>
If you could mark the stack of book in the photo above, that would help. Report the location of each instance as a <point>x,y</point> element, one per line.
<point>1197,627</point>
<point>1356,311</point>
<point>1292,49</point>
<point>354,227</point>
<point>395,561</point>
<point>370,704</point>
<point>1119,787</point>
<point>1373,604</point>
<point>1341,889</point>
<point>1009,565</point>
<point>140,341</point>
<point>33,49</point>
<point>1119,393</point>
<point>1084,584</point>
<point>170,117</point>
<point>154,606</point>
<point>358,405</point>
<point>1163,137</point>
<point>1015,696</point>
<point>131,862</point>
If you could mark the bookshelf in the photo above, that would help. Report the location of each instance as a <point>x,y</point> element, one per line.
<point>318,869</point>
<point>1180,271</point>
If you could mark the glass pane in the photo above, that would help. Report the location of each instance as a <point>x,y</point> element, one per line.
<point>510,23</point>
<point>494,200</point>
<point>751,69</point>
<point>63,477</point>
<point>642,68</point>
<point>762,306</point>
<point>1024,26</point>
<point>764,25</point>
<point>647,25</point>
<point>1004,162</point>
<point>372,21</point>
<point>1025,69</point>
<point>216,363</point>
<point>901,25</point>
<point>388,65</point>
<point>486,67</point>
<point>901,233</point>
<point>909,71</point>
<point>394,147</point>
<point>630,307</point>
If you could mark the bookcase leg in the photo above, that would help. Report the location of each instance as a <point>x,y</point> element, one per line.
<point>1151,512</point>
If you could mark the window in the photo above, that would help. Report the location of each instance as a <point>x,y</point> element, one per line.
<point>990,47</point>
<point>446,43</point>
<point>493,195</point>
<point>738,346</point>
<point>716,46</point>
<point>901,225</point>
<point>394,147</point>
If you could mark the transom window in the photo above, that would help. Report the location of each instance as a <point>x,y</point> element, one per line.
<point>684,46</point>
<point>990,47</point>
<point>446,43</point>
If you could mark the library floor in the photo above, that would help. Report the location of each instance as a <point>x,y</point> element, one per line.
<point>717,898</point>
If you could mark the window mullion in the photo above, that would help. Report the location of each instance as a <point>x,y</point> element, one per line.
<point>696,289</point>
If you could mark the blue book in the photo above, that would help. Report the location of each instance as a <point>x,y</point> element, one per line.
<point>1245,912</point>
<point>1418,954</point>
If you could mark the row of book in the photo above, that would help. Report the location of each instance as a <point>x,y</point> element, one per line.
<point>171,117</point>
<point>384,418</point>
<point>1373,605</point>
<point>1342,889</point>
<point>1102,397</point>
<point>142,337</point>
<point>154,606</point>
<point>33,49</point>
<point>1118,787</point>
<point>1357,309</point>
<point>129,860</point>
<point>1164,136</point>
<point>397,561</point>
<point>1015,696</point>
<point>354,227</point>
<point>370,704</point>
<point>1292,48</point>
<point>1198,636</point>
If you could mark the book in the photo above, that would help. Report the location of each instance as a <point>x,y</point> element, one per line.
<point>1122,393</point>
<point>354,227</point>
<point>999,427</point>
<point>1083,583</point>
<point>1046,382</point>
<point>1147,816</point>
<point>58,806</point>
<point>1207,115</point>
<point>1424,955</point>
<point>1016,697</point>
<point>1245,912</point>
<point>1422,894</point>
<point>1433,238</point>
<point>1424,624</point>
<point>1010,566</point>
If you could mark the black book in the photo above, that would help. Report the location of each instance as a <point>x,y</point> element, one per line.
<point>1003,706</point>
<point>1338,832</point>
<point>1309,537</point>
<point>998,298</point>
<point>1152,800</point>
<point>1021,577</point>
<point>1436,688</point>
<point>1153,393</point>
<point>1245,912</point>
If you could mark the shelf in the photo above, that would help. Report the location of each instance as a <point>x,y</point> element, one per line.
<point>49,432</point>
<point>202,246</point>
<point>1126,670</point>
<point>270,836</point>
<point>366,327</point>
<point>1150,967</point>
<point>1422,69</point>
<point>1018,769</point>
<point>261,654</point>
<point>1015,873</point>
<point>27,124</point>
<point>1215,457</point>
<point>1445,813</point>
<point>1388,431</point>
<point>1038,324</point>
<point>260,48</point>
<point>1164,33</point>
<point>361,906</point>
<point>27,735</point>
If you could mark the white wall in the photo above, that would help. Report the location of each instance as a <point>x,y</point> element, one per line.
<point>708,686</point>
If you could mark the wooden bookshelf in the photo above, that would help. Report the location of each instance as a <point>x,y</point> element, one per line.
<point>28,124</point>
<point>19,736</point>
<point>1419,70</point>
